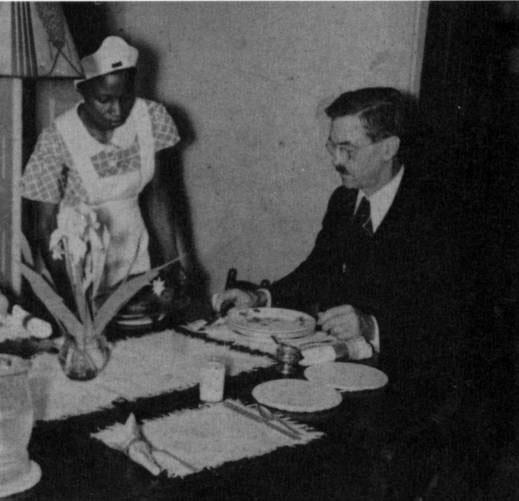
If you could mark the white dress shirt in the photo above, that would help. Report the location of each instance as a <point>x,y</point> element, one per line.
<point>381,200</point>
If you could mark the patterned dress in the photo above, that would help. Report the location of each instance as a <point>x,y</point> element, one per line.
<point>69,165</point>
<point>44,171</point>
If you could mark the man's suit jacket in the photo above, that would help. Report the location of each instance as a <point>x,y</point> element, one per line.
<point>408,275</point>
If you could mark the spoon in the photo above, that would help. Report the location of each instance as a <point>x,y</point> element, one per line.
<point>270,416</point>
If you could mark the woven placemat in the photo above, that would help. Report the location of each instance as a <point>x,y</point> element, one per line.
<point>139,367</point>
<point>210,436</point>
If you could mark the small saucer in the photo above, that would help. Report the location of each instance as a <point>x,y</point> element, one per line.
<point>22,483</point>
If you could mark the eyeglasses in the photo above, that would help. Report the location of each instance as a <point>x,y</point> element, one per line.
<point>350,151</point>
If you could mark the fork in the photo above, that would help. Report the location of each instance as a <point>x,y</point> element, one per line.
<point>267,415</point>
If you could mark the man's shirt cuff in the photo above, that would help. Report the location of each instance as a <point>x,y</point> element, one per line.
<point>360,348</point>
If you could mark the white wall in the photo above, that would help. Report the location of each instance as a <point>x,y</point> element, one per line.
<point>251,80</point>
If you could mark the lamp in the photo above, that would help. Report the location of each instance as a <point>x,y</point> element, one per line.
<point>35,41</point>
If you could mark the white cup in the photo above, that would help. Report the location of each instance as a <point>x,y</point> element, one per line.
<point>212,380</point>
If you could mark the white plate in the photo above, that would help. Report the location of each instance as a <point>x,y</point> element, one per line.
<point>271,332</point>
<point>296,395</point>
<point>346,376</point>
<point>137,322</point>
<point>263,336</point>
<point>134,322</point>
<point>271,321</point>
<point>131,316</point>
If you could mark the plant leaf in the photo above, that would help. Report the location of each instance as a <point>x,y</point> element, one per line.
<point>99,260</point>
<point>46,274</point>
<point>74,275</point>
<point>52,301</point>
<point>26,250</point>
<point>27,257</point>
<point>123,294</point>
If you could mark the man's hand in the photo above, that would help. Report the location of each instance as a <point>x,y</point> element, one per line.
<point>347,322</point>
<point>236,297</point>
<point>342,322</point>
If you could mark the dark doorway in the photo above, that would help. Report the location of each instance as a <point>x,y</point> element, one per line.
<point>469,99</point>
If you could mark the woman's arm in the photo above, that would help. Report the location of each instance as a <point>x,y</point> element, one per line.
<point>159,215</point>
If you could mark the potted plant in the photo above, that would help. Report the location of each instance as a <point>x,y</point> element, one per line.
<point>81,241</point>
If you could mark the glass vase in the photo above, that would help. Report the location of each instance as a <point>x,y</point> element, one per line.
<point>84,359</point>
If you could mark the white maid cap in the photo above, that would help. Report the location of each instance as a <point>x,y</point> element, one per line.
<point>114,54</point>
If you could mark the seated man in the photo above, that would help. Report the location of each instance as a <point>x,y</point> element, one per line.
<point>385,269</point>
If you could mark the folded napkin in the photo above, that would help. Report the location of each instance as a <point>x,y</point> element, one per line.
<point>222,332</point>
<point>130,440</point>
<point>191,440</point>
<point>353,349</point>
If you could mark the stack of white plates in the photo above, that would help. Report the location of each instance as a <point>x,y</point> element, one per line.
<point>266,323</point>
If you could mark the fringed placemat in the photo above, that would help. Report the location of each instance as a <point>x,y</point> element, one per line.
<point>220,331</point>
<point>209,436</point>
<point>138,367</point>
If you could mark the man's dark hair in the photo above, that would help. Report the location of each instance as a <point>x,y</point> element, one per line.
<point>380,110</point>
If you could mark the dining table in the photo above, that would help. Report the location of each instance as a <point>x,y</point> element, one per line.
<point>377,444</point>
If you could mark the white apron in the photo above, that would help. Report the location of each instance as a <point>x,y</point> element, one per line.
<point>115,198</point>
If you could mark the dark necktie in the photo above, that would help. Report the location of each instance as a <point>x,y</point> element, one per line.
<point>362,217</point>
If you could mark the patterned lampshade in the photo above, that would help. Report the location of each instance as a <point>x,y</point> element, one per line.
<point>35,41</point>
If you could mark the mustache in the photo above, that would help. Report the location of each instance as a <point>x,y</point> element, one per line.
<point>341,169</point>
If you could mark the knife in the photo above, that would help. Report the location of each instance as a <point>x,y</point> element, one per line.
<point>184,463</point>
<point>154,449</point>
<point>255,417</point>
